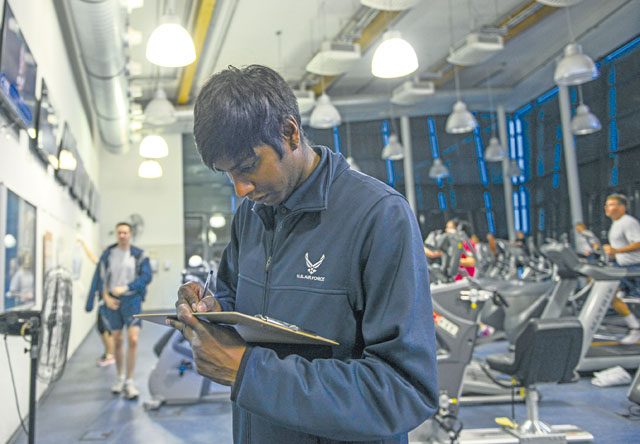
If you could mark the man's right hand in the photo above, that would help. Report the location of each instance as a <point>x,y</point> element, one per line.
<point>111,302</point>
<point>191,295</point>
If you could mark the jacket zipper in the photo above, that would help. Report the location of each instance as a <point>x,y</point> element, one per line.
<point>267,269</point>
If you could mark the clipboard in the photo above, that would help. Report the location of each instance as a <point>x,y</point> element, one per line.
<point>253,329</point>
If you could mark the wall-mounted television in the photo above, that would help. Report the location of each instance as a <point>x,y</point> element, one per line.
<point>47,137</point>
<point>67,157</point>
<point>17,73</point>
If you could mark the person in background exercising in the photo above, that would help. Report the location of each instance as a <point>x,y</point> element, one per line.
<point>624,248</point>
<point>587,244</point>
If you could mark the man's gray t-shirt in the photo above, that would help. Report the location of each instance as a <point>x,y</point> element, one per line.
<point>623,232</point>
<point>122,268</point>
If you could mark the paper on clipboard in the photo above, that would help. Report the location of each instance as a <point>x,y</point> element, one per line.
<point>255,329</point>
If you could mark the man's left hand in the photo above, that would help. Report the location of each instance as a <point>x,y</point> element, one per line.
<point>119,291</point>
<point>609,250</point>
<point>217,350</point>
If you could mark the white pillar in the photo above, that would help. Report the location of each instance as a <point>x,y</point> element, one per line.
<point>570,160</point>
<point>506,179</point>
<point>409,181</point>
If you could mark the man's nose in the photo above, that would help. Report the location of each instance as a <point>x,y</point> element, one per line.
<point>242,187</point>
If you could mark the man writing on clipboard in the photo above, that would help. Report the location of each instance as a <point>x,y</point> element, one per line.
<point>323,247</point>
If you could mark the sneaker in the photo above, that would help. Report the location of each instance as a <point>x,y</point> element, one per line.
<point>130,391</point>
<point>118,386</point>
<point>105,360</point>
<point>632,337</point>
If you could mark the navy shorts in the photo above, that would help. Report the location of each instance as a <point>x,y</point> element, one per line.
<point>123,316</point>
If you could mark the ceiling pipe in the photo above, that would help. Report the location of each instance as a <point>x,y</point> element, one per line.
<point>99,26</point>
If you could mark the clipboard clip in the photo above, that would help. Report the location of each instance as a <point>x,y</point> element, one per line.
<point>278,322</point>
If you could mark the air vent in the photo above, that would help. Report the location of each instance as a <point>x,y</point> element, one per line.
<point>334,58</point>
<point>476,48</point>
<point>306,100</point>
<point>412,92</point>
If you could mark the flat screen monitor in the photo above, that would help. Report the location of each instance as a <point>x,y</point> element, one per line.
<point>17,72</point>
<point>47,130</point>
<point>67,157</point>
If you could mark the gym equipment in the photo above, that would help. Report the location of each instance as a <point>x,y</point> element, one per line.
<point>48,330</point>
<point>546,351</point>
<point>596,356</point>
<point>174,379</point>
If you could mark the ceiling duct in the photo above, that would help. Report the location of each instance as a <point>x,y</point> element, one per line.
<point>412,92</point>
<point>476,48</point>
<point>99,26</point>
<point>334,58</point>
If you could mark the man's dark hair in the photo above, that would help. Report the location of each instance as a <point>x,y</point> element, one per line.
<point>621,198</point>
<point>125,224</point>
<point>240,109</point>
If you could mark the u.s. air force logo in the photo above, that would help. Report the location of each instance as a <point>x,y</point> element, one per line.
<point>312,267</point>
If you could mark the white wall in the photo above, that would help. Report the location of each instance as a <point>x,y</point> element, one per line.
<point>23,173</point>
<point>159,202</point>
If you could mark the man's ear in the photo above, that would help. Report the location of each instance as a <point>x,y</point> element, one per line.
<point>292,133</point>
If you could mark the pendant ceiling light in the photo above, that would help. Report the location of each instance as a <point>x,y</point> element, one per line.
<point>217,220</point>
<point>153,147</point>
<point>575,68</point>
<point>393,150</point>
<point>67,161</point>
<point>150,169</point>
<point>170,44</point>
<point>394,57</point>
<point>514,170</point>
<point>494,152</point>
<point>160,111</point>
<point>390,5</point>
<point>324,115</point>
<point>438,170</point>
<point>584,122</point>
<point>352,163</point>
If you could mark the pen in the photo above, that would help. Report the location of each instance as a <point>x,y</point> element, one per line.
<point>206,283</point>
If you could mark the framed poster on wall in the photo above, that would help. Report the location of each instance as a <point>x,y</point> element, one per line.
<point>17,252</point>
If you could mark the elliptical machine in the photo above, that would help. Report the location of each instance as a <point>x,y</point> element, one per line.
<point>174,379</point>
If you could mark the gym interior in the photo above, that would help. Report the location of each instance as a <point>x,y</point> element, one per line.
<point>507,125</point>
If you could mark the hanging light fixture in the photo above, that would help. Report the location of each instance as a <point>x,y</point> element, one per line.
<point>584,122</point>
<point>67,161</point>
<point>150,169</point>
<point>514,169</point>
<point>460,120</point>
<point>153,146</point>
<point>217,220</point>
<point>160,111</point>
<point>324,115</point>
<point>575,68</point>
<point>352,163</point>
<point>393,150</point>
<point>494,151</point>
<point>394,57</point>
<point>438,170</point>
<point>170,44</point>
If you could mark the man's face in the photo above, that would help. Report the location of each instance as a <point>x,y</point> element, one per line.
<point>265,178</point>
<point>613,209</point>
<point>123,235</point>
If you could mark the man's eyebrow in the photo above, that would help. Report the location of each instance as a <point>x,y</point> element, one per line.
<point>236,166</point>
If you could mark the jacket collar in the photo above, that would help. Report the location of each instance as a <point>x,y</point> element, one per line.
<point>313,193</point>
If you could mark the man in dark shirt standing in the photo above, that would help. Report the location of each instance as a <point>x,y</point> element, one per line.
<point>323,247</point>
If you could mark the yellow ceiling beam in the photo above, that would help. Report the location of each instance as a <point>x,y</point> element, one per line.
<point>203,20</point>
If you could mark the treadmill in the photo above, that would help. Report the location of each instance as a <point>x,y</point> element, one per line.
<point>606,279</point>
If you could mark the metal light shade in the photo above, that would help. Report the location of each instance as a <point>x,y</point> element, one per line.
<point>352,163</point>
<point>324,115</point>
<point>153,147</point>
<point>584,122</point>
<point>575,68</point>
<point>460,120</point>
<point>217,220</point>
<point>170,45</point>
<point>438,170</point>
<point>394,57</point>
<point>514,170</point>
<point>160,111</point>
<point>494,151</point>
<point>150,169</point>
<point>393,150</point>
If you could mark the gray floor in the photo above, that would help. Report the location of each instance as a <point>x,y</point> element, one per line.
<point>80,408</point>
